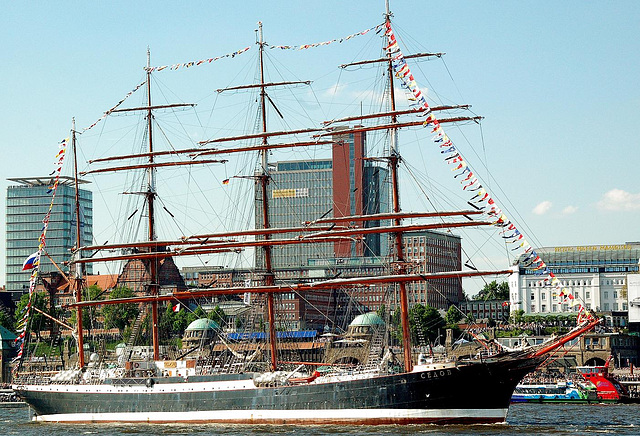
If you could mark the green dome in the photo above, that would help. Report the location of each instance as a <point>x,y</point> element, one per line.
<point>367,319</point>
<point>203,324</point>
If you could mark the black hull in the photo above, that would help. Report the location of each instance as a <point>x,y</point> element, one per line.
<point>472,393</point>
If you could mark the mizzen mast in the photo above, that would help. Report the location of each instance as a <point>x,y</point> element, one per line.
<point>79,267</point>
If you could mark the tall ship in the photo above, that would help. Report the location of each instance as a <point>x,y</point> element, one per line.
<point>259,382</point>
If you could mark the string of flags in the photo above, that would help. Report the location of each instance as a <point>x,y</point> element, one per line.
<point>197,63</point>
<point>481,199</point>
<point>243,50</point>
<point>331,41</point>
<point>33,261</point>
<point>106,114</point>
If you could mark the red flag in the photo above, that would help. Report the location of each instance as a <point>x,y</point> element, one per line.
<point>176,308</point>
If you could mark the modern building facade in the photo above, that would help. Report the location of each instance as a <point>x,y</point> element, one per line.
<point>333,309</point>
<point>431,251</point>
<point>28,202</point>
<point>597,275</point>
<point>344,185</point>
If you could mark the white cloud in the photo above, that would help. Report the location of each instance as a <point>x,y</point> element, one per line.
<point>335,91</point>
<point>569,210</point>
<point>542,208</point>
<point>619,200</point>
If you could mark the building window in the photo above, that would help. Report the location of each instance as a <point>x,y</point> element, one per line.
<point>587,294</point>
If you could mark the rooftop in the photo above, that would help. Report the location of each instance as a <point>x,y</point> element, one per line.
<point>46,181</point>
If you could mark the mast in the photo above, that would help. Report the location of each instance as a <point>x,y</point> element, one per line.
<point>79,267</point>
<point>150,194</point>
<point>264,181</point>
<point>394,159</point>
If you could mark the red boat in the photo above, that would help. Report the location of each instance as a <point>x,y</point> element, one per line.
<point>609,390</point>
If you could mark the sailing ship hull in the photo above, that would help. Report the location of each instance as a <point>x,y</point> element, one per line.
<point>471,393</point>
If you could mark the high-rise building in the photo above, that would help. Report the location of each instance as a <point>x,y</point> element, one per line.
<point>431,251</point>
<point>28,201</point>
<point>304,190</point>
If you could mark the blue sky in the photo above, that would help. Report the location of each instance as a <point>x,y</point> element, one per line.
<point>557,83</point>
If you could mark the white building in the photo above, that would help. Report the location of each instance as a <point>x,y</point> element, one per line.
<point>633,295</point>
<point>595,274</point>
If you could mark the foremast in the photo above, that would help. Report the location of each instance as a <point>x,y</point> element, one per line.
<point>79,267</point>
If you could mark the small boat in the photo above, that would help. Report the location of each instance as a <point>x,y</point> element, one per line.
<point>598,386</point>
<point>608,388</point>
<point>560,392</point>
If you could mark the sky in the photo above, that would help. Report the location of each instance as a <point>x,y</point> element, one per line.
<point>556,83</point>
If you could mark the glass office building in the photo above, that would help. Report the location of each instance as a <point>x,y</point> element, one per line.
<point>344,185</point>
<point>27,203</point>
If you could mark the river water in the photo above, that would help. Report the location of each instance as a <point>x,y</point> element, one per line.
<point>523,419</point>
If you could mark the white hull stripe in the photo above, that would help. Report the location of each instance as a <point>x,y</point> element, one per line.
<point>316,416</point>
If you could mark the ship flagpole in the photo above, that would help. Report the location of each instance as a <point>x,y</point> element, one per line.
<point>79,267</point>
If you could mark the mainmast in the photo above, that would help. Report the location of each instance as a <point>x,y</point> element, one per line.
<point>151,236</point>
<point>264,181</point>
<point>394,159</point>
<point>79,267</point>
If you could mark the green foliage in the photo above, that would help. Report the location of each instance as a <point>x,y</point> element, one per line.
<point>493,291</point>
<point>37,321</point>
<point>120,315</point>
<point>453,315</point>
<point>382,311</point>
<point>196,314</point>
<point>424,322</point>
<point>6,320</point>
<point>172,324</point>
<point>89,314</point>
<point>517,316</point>
<point>217,315</point>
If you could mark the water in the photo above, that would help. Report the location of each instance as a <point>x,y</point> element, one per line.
<point>523,419</point>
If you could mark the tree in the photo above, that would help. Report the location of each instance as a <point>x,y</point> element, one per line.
<point>424,321</point>
<point>120,315</point>
<point>172,323</point>
<point>493,291</point>
<point>217,315</point>
<point>89,314</point>
<point>36,321</point>
<point>453,315</point>
<point>6,320</point>
<point>196,314</point>
<point>517,316</point>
